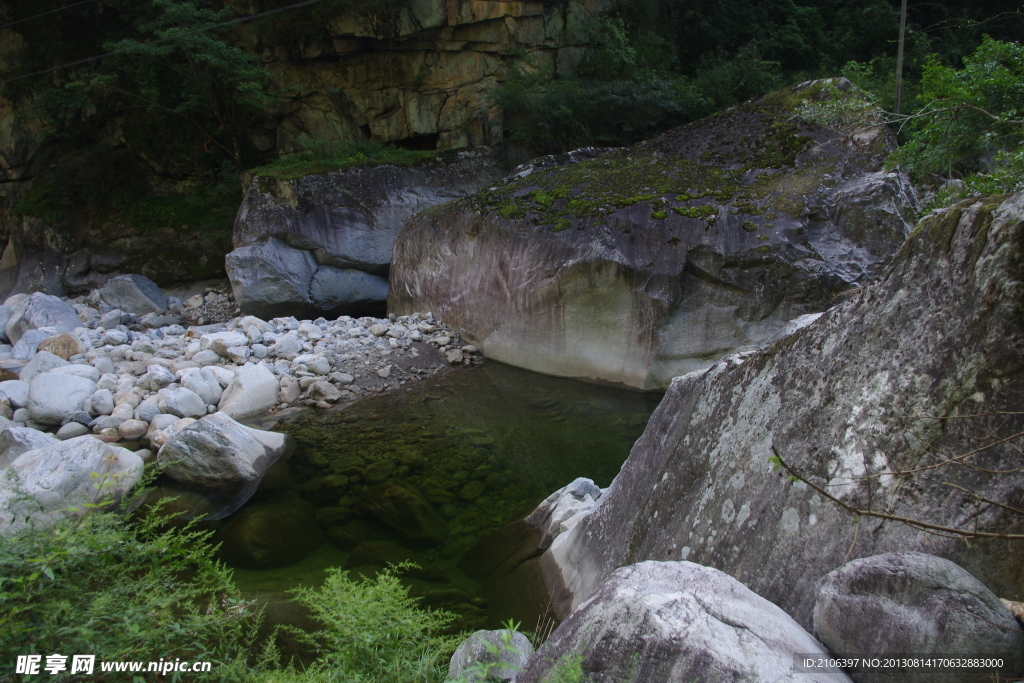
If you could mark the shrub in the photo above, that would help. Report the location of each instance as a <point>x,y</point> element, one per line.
<point>122,591</point>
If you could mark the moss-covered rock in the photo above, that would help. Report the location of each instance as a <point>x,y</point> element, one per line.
<point>636,265</point>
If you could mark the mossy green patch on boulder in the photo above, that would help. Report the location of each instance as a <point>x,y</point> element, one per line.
<point>635,265</point>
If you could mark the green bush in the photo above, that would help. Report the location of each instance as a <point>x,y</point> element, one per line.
<point>123,591</point>
<point>371,631</point>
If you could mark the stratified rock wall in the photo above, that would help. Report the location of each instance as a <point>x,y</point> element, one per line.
<point>638,265</point>
<point>924,364</point>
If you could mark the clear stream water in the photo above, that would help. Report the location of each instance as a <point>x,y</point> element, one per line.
<point>470,451</point>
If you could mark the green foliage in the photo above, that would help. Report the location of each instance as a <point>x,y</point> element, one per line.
<point>319,156</point>
<point>372,631</point>
<point>971,120</point>
<point>121,591</point>
<point>568,669</point>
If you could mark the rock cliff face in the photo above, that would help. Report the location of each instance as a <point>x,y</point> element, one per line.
<point>866,404</point>
<point>420,70</point>
<point>417,72</point>
<point>641,264</point>
<point>322,243</point>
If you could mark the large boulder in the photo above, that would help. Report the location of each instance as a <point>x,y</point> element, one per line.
<point>41,310</point>
<point>253,390</point>
<point>322,243</point>
<point>220,456</point>
<point>924,363</point>
<point>17,440</point>
<point>898,603</point>
<point>133,293</point>
<point>638,265</point>
<point>64,478</point>
<point>53,397</point>
<point>676,622</point>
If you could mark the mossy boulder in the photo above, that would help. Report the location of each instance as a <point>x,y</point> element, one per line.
<point>272,534</point>
<point>635,265</point>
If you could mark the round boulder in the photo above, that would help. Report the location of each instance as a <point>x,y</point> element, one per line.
<point>913,603</point>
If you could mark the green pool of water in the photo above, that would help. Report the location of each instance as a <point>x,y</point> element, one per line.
<point>436,471</point>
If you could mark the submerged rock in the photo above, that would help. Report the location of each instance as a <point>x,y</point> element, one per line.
<point>645,263</point>
<point>405,511</point>
<point>269,535</point>
<point>923,361</point>
<point>677,622</point>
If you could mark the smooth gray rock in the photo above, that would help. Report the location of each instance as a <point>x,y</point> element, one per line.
<point>477,663</point>
<point>42,361</point>
<point>72,430</point>
<point>900,603</point>
<point>184,403</point>
<point>287,346</point>
<point>41,310</point>
<point>133,293</point>
<point>156,377</point>
<point>17,440</point>
<point>336,290</point>
<point>26,347</point>
<point>564,508</point>
<point>270,278</point>
<point>677,622</point>
<point>62,479</point>
<point>207,357</point>
<point>839,400</point>
<point>52,397</point>
<point>15,391</point>
<point>204,383</point>
<point>101,402</point>
<point>5,316</point>
<point>111,319</point>
<point>253,390</point>
<point>221,456</point>
<point>220,342</point>
<point>78,370</point>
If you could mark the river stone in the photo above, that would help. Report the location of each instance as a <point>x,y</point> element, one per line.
<point>17,440</point>
<point>270,535</point>
<point>834,400</point>
<point>41,362</point>
<point>677,622</point>
<point>15,391</point>
<point>702,242</point>
<point>53,397</point>
<point>64,478</point>
<point>101,402</point>
<point>290,390</point>
<point>288,347</point>
<point>41,310</point>
<point>207,357</point>
<point>72,430</point>
<point>204,383</point>
<point>379,471</point>
<point>27,346</point>
<point>337,290</point>
<point>270,278</point>
<point>253,390</point>
<point>78,370</point>
<point>504,653</point>
<point>133,293</point>
<point>157,377</point>
<point>183,403</point>
<point>62,345</point>
<point>323,391</point>
<point>220,342</point>
<point>217,454</point>
<point>404,510</point>
<point>907,602</point>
